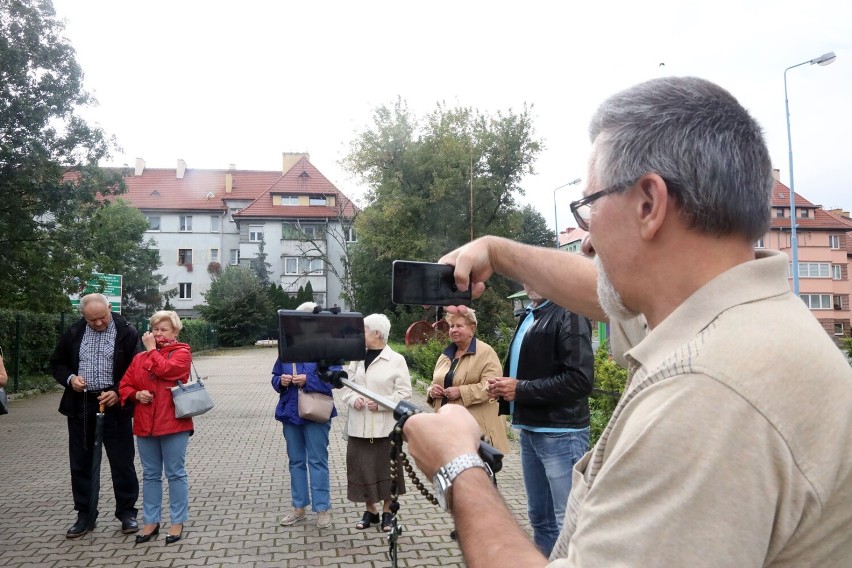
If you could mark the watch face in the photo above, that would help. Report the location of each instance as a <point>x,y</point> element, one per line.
<point>441,485</point>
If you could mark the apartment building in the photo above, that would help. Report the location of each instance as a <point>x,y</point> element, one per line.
<point>204,220</point>
<point>824,247</point>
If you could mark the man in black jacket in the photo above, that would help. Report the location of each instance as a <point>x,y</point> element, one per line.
<point>549,374</point>
<point>89,361</point>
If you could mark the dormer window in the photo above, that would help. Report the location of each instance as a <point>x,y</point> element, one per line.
<point>317,200</point>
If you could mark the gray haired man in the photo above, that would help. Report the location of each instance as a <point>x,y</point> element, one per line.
<point>732,444</point>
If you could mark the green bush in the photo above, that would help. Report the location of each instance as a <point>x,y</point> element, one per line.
<point>610,381</point>
<point>846,345</point>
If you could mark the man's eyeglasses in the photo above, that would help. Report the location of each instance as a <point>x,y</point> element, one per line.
<point>582,209</point>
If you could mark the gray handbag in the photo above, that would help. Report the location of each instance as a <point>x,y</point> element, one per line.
<point>192,398</point>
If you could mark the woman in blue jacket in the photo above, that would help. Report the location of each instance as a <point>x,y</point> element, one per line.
<point>307,441</point>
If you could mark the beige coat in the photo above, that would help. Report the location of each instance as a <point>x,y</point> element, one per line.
<point>476,366</point>
<point>387,376</point>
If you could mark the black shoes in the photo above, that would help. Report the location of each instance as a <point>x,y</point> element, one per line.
<point>387,522</point>
<point>81,527</point>
<point>129,525</point>
<point>140,538</point>
<point>367,520</point>
<point>173,538</point>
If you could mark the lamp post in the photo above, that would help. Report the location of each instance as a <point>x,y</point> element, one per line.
<point>824,59</point>
<point>555,216</point>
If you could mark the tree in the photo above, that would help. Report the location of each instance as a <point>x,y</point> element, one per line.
<point>434,186</point>
<point>118,246</point>
<point>259,265</point>
<point>333,246</point>
<point>237,306</point>
<point>49,179</point>
<point>531,228</point>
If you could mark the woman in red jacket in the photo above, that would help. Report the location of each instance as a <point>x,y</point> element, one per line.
<point>160,437</point>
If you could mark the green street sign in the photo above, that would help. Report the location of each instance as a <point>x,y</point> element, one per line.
<point>107,284</point>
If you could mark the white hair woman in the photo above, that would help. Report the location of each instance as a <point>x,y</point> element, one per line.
<point>384,372</point>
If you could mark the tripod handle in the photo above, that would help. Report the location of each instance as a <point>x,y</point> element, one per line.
<point>489,454</point>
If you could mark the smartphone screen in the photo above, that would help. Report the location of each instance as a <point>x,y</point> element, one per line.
<point>426,284</point>
<point>308,337</point>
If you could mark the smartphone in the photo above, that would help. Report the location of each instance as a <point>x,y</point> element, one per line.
<point>324,336</point>
<point>426,284</point>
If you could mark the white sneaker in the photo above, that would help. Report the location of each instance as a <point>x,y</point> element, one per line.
<point>294,517</point>
<point>323,519</point>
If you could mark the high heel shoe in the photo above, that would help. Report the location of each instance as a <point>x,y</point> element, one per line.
<point>173,538</point>
<point>140,538</point>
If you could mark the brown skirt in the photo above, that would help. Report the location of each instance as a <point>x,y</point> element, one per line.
<point>368,470</point>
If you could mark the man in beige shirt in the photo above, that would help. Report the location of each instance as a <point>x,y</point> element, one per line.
<point>732,444</point>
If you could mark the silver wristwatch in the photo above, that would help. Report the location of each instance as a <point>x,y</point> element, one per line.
<point>444,477</point>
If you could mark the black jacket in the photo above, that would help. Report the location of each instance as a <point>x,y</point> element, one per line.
<point>555,371</point>
<point>65,360</point>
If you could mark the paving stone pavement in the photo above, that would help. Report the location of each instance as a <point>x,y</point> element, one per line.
<point>239,488</point>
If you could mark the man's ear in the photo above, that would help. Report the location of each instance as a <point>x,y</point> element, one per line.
<point>653,205</point>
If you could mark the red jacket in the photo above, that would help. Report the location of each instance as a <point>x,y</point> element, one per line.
<point>157,371</point>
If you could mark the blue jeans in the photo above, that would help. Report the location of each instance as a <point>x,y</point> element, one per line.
<point>547,460</point>
<point>307,451</point>
<point>158,453</point>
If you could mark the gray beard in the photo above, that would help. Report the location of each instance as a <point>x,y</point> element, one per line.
<point>609,298</point>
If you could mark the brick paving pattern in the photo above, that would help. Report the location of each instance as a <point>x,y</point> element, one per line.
<point>239,489</point>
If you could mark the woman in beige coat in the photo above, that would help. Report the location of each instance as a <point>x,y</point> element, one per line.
<point>383,372</point>
<point>461,376</point>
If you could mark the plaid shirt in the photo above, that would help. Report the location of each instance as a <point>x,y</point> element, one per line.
<point>96,355</point>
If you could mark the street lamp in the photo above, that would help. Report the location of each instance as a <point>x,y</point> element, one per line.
<point>824,59</point>
<point>555,217</point>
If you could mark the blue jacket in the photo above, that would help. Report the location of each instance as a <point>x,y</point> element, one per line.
<point>287,410</point>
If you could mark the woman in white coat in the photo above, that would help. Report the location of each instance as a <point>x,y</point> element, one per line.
<point>383,372</point>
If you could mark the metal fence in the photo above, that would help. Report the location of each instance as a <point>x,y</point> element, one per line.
<point>27,340</point>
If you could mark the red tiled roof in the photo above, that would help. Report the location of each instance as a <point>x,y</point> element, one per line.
<point>204,190</point>
<point>570,235</point>
<point>301,179</point>
<point>818,219</point>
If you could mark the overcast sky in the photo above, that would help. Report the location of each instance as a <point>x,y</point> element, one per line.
<point>217,85</point>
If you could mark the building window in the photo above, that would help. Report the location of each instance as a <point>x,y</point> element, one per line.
<point>837,271</point>
<point>153,222</point>
<point>350,235</point>
<point>289,200</point>
<point>319,299</point>
<point>779,212</point>
<point>185,291</point>
<point>839,328</point>
<point>185,224</point>
<point>235,256</point>
<point>838,303</point>
<point>804,213</point>
<point>759,244</point>
<point>817,301</point>
<point>320,200</point>
<point>184,256</point>
<point>813,269</point>
<point>300,232</point>
<point>834,241</point>
<point>255,233</point>
<point>215,223</point>
<point>302,265</point>
<point>214,255</point>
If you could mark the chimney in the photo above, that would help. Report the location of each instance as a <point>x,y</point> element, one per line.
<point>140,166</point>
<point>229,179</point>
<point>181,169</point>
<point>290,159</point>
<point>776,174</point>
